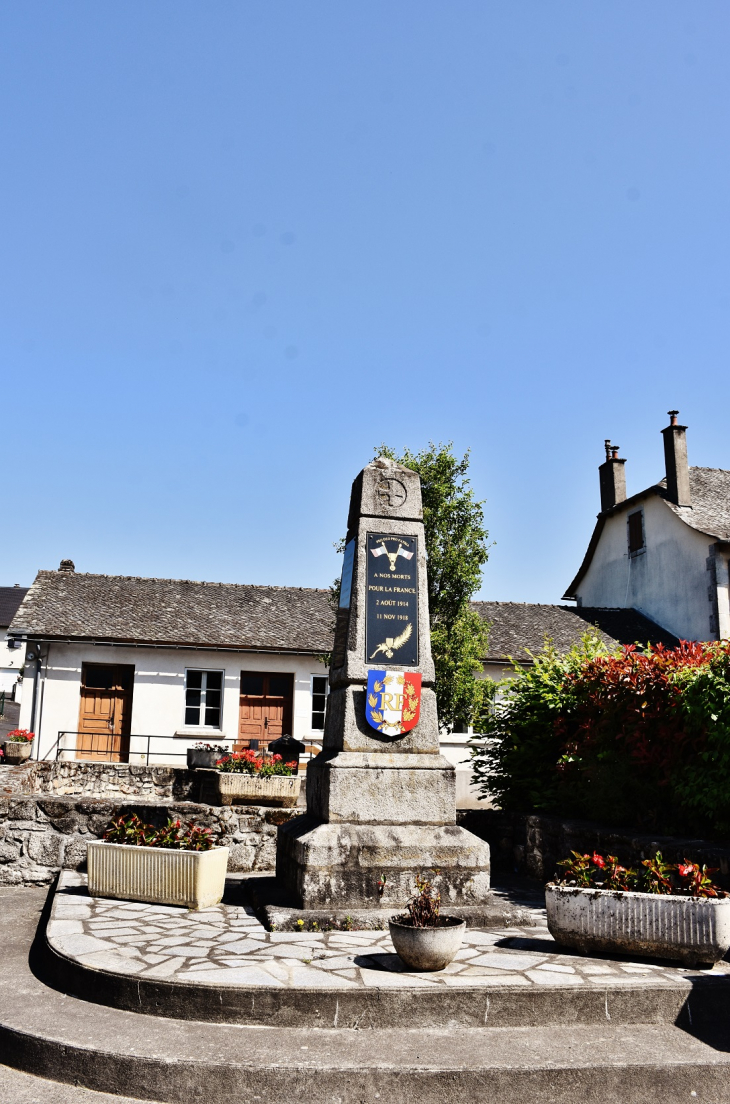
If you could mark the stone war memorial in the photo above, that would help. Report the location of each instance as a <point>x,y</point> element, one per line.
<point>381,802</point>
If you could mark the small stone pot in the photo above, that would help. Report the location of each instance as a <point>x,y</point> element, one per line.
<point>16,751</point>
<point>428,948</point>
<point>206,759</point>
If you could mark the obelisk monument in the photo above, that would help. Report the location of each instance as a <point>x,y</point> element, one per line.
<point>381,799</point>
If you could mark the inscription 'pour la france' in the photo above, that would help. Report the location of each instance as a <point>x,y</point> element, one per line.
<point>391,626</point>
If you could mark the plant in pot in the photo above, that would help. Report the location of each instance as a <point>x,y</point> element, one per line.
<point>205,755</point>
<point>18,745</point>
<point>660,909</point>
<point>422,937</point>
<point>250,779</point>
<point>174,865</point>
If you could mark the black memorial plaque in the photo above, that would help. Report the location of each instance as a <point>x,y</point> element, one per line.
<point>391,622</point>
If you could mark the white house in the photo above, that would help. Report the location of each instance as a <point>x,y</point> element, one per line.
<point>131,669</point>
<point>12,652</point>
<point>664,551</point>
<point>134,670</point>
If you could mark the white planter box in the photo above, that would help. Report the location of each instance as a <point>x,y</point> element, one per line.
<point>250,789</point>
<point>157,875</point>
<point>693,930</point>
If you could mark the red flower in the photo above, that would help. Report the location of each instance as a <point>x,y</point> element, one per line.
<point>598,860</point>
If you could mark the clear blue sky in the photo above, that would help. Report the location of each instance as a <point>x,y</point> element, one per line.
<point>243,243</point>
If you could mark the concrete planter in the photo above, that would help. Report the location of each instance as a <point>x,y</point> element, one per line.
<point>693,930</point>
<point>251,789</point>
<point>428,948</point>
<point>157,875</point>
<point>17,751</point>
<point>197,758</point>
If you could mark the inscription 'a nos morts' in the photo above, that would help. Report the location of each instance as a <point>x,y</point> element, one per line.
<point>391,625</point>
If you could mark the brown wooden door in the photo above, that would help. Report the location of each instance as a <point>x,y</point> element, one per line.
<point>266,708</point>
<point>105,715</point>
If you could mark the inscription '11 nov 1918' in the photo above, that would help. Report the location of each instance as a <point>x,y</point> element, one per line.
<point>391,625</point>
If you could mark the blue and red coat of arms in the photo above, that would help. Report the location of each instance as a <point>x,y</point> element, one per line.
<point>393,701</point>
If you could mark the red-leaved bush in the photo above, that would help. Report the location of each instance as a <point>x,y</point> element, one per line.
<point>636,736</point>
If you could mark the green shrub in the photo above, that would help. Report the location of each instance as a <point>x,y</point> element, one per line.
<point>630,736</point>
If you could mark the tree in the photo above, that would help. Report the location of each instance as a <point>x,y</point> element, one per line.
<point>456,546</point>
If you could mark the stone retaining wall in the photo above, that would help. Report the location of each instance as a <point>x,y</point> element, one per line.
<point>78,778</point>
<point>534,844</point>
<point>40,835</point>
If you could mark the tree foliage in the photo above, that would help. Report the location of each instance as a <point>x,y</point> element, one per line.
<point>630,736</point>
<point>456,547</point>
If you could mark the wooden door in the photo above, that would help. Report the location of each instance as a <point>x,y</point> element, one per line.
<point>266,708</point>
<point>105,715</point>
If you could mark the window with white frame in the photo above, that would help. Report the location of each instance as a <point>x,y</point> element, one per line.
<point>320,689</point>
<point>203,698</point>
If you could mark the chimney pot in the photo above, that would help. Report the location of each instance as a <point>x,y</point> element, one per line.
<point>675,458</point>
<point>67,565</point>
<point>612,477</point>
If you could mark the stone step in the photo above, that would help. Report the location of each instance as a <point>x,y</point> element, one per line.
<point>220,965</point>
<point>24,1088</point>
<point>151,1058</point>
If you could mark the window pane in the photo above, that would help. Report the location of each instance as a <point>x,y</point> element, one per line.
<point>195,679</point>
<point>319,684</point>
<point>213,699</point>
<point>318,702</point>
<point>192,716</point>
<point>212,716</point>
<point>636,532</point>
<point>252,685</point>
<point>279,686</point>
<point>214,680</point>
<point>192,698</point>
<point>317,721</point>
<point>99,678</point>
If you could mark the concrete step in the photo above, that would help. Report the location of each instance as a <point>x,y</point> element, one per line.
<point>222,966</point>
<point>185,1062</point>
<point>24,1088</point>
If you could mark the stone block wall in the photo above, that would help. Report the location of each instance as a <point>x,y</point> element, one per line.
<point>40,834</point>
<point>87,779</point>
<point>533,844</point>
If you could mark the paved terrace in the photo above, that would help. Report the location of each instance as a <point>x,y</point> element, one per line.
<point>226,946</point>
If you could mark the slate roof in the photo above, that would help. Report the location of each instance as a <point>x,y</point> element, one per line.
<point>126,609</point>
<point>519,627</point>
<point>10,599</point>
<point>709,513</point>
<point>709,490</point>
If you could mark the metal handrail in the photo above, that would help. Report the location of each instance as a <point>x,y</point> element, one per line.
<point>108,750</point>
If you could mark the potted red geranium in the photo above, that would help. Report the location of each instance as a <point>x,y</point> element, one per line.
<point>174,865</point>
<point>664,910</point>
<point>18,745</point>
<point>246,778</point>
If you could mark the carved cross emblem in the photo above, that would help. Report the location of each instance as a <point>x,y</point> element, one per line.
<point>391,492</point>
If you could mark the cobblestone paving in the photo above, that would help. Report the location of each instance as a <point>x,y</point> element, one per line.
<point>227,946</point>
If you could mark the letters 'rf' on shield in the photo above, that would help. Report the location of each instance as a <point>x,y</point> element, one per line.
<point>393,701</point>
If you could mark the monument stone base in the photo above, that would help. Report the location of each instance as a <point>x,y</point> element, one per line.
<point>373,866</point>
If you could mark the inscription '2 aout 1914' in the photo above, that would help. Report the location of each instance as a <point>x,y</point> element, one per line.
<point>391,625</point>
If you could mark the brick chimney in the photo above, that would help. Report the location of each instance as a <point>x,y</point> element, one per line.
<point>67,565</point>
<point>612,478</point>
<point>675,458</point>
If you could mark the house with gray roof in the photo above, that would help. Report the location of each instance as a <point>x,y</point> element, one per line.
<point>664,551</point>
<point>129,669</point>
<point>125,669</point>
<point>12,654</point>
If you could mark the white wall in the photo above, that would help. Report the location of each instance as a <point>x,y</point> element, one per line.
<point>11,660</point>
<point>668,581</point>
<point>158,702</point>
